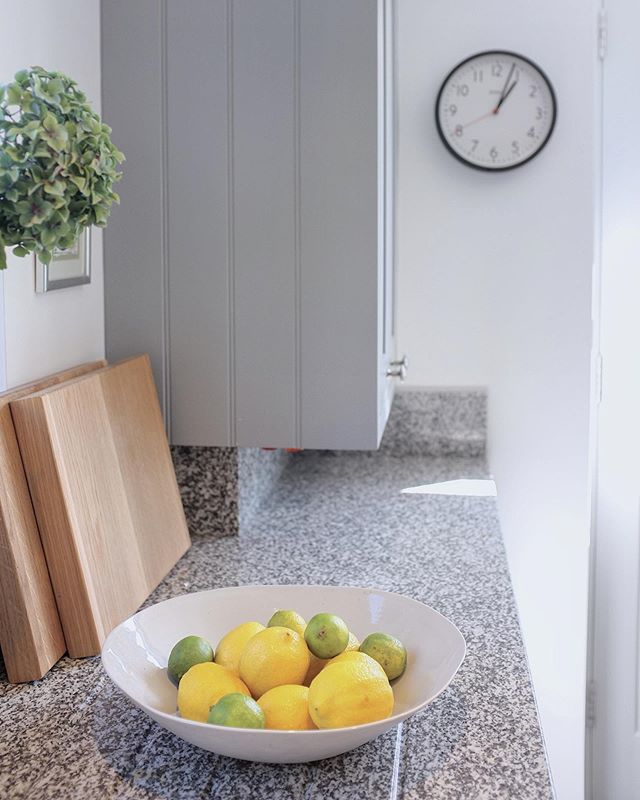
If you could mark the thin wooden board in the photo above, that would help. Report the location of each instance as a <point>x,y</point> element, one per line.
<point>31,636</point>
<point>105,495</point>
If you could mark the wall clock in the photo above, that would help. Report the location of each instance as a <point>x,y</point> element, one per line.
<point>495,110</point>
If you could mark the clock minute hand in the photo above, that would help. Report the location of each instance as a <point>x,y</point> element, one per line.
<point>506,83</point>
<point>504,97</point>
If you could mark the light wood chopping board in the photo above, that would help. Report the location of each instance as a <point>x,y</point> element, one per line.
<point>31,636</point>
<point>105,495</point>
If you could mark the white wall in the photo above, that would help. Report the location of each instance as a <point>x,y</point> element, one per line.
<point>45,333</point>
<point>494,289</point>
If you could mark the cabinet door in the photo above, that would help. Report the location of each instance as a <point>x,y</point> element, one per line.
<point>256,270</point>
<point>342,209</point>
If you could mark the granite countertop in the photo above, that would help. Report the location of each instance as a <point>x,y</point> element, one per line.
<point>334,519</point>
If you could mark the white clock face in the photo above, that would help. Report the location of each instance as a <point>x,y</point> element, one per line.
<point>495,110</point>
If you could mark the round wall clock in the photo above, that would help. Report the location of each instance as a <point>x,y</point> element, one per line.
<point>495,110</point>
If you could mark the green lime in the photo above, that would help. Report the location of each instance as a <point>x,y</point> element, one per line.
<point>236,710</point>
<point>326,635</point>
<point>187,652</point>
<point>388,651</point>
<point>288,619</point>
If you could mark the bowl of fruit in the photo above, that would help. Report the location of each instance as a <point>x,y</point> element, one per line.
<point>283,674</point>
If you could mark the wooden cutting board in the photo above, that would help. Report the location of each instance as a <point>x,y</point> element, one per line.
<point>30,632</point>
<point>105,495</point>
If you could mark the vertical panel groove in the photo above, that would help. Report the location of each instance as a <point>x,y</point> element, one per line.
<point>297,12</point>
<point>231,230</point>
<point>166,322</point>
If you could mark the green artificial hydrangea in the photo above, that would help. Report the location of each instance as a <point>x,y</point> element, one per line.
<point>57,164</point>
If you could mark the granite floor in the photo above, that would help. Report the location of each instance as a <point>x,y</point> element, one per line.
<point>334,518</point>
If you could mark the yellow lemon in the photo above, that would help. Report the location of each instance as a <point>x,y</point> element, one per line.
<point>352,690</point>
<point>353,644</point>
<point>348,655</point>
<point>316,664</point>
<point>273,657</point>
<point>286,708</point>
<point>232,644</point>
<point>202,686</point>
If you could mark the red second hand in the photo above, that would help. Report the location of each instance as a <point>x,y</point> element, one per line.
<point>484,116</point>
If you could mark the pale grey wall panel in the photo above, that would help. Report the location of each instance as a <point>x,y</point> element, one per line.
<point>133,241</point>
<point>264,214</point>
<point>339,223</point>
<point>198,221</point>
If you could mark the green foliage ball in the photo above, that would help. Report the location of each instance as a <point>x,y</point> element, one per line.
<point>58,164</point>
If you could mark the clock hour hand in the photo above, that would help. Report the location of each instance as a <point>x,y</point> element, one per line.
<point>504,97</point>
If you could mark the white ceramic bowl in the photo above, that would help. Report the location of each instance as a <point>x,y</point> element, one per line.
<point>135,657</point>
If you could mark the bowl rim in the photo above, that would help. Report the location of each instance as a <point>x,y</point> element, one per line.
<point>390,721</point>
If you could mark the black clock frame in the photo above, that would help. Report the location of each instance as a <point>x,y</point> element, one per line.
<point>543,144</point>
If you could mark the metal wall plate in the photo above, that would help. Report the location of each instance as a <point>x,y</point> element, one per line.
<point>70,267</point>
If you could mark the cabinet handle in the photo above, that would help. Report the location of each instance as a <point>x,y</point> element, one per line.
<point>398,369</point>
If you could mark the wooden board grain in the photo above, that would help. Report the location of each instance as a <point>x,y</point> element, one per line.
<point>31,637</point>
<point>105,495</point>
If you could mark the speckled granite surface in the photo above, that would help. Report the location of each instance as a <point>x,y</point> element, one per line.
<point>258,474</point>
<point>208,481</point>
<point>437,422</point>
<point>223,487</point>
<point>335,519</point>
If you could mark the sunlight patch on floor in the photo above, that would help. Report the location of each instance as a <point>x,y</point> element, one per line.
<point>469,487</point>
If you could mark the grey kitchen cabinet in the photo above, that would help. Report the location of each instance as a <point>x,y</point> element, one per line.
<point>252,253</point>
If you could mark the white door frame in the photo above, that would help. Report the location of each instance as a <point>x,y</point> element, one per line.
<point>613,696</point>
